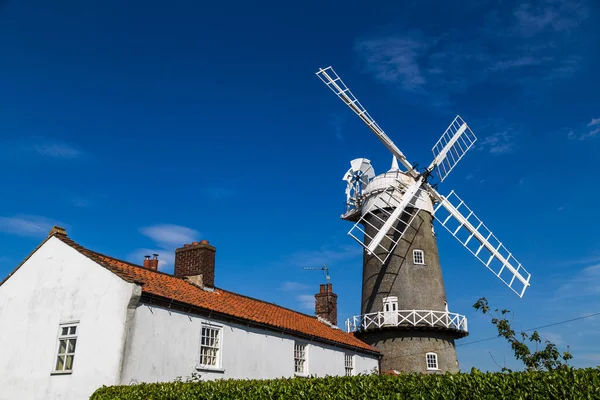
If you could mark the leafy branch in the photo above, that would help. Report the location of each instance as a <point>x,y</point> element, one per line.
<point>548,358</point>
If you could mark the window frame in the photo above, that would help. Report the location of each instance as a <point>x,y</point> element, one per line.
<point>304,347</point>
<point>349,364</point>
<point>218,365</point>
<point>435,367</point>
<point>68,338</point>
<point>421,254</point>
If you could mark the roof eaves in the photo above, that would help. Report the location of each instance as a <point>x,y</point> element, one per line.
<point>194,309</point>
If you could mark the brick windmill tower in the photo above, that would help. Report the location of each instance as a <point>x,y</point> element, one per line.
<point>404,311</point>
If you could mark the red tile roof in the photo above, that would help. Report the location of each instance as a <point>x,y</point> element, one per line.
<point>221,301</point>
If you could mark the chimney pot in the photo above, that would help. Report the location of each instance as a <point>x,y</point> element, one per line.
<point>204,242</point>
<point>195,243</point>
<point>152,264</point>
<point>186,245</point>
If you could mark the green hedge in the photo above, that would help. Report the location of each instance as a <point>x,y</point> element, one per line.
<point>564,384</point>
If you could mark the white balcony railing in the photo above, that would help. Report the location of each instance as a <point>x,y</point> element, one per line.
<point>407,318</point>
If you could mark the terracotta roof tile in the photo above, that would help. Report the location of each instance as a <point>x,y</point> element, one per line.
<point>221,301</point>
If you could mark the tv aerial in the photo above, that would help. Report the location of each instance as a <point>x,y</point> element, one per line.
<point>324,268</point>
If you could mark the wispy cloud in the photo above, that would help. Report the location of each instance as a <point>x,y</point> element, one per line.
<point>585,283</point>
<point>306,301</point>
<point>496,136</point>
<point>57,150</point>
<point>79,202</point>
<point>324,255</point>
<point>498,143</point>
<point>590,131</point>
<point>42,148</point>
<point>168,236</point>
<point>512,45</point>
<point>293,286</point>
<point>537,17</point>
<point>27,225</point>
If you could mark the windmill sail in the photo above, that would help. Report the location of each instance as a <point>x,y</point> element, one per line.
<point>335,83</point>
<point>470,231</point>
<point>451,147</point>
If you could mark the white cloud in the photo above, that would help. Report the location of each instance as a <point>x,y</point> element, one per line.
<point>500,142</point>
<point>590,131</point>
<point>293,286</point>
<point>594,122</point>
<point>170,236</point>
<point>585,283</point>
<point>394,59</point>
<point>524,45</point>
<point>57,150</point>
<point>79,202</point>
<point>27,225</point>
<point>306,301</point>
<point>167,238</point>
<point>324,255</point>
<point>554,16</point>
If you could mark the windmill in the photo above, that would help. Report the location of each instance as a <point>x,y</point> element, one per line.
<point>404,312</point>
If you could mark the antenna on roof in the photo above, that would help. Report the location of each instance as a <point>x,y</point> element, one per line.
<point>324,268</point>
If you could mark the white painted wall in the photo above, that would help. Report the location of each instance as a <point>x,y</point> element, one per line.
<point>58,284</point>
<point>165,344</point>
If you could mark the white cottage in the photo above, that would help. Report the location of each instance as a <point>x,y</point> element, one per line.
<point>73,320</point>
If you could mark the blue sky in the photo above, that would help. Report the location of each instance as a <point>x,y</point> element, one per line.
<point>146,126</point>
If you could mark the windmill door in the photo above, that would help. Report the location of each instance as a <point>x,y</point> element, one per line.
<point>390,311</point>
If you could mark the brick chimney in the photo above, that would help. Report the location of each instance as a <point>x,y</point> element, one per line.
<point>326,304</point>
<point>151,264</point>
<point>196,262</point>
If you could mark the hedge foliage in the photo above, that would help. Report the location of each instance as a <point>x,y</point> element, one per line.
<point>560,384</point>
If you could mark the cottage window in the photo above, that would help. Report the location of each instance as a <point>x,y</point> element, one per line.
<point>210,346</point>
<point>349,364</point>
<point>67,340</point>
<point>418,257</point>
<point>300,365</point>
<point>432,361</point>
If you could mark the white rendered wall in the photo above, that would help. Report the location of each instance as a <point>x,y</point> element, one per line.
<point>165,344</point>
<point>58,284</point>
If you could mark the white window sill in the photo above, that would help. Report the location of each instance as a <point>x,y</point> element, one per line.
<point>209,368</point>
<point>301,374</point>
<point>61,372</point>
<point>433,369</point>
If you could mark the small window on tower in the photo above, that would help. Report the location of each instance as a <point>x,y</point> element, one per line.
<point>418,257</point>
<point>432,361</point>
